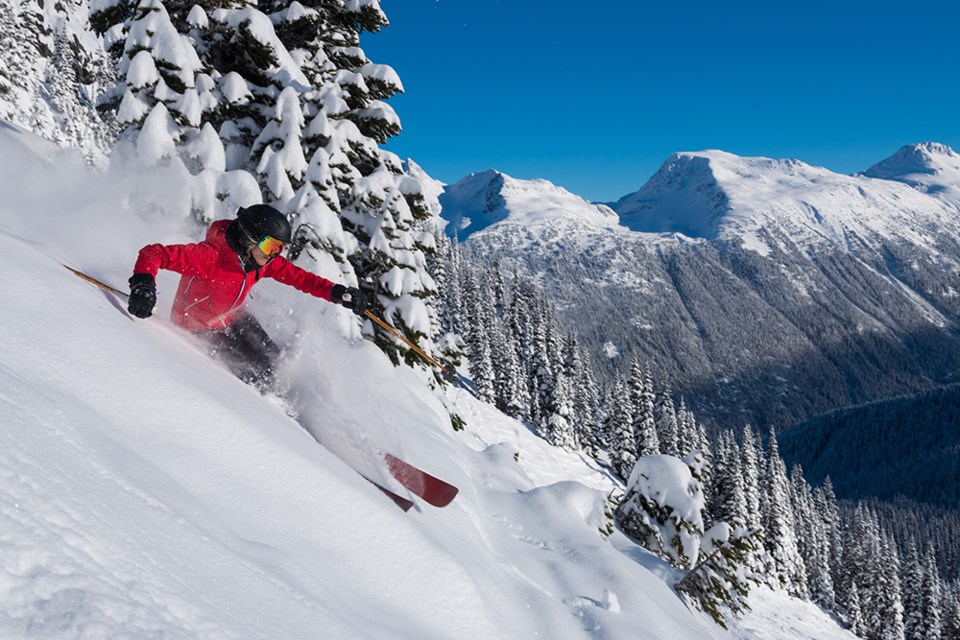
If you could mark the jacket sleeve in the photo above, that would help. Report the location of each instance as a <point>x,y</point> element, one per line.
<point>290,274</point>
<point>187,259</point>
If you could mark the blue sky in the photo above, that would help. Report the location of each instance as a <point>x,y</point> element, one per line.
<point>594,96</point>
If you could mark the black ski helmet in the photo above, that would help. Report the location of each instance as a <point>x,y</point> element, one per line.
<point>262,220</point>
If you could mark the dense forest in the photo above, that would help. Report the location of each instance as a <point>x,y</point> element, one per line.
<point>907,447</point>
<point>879,566</point>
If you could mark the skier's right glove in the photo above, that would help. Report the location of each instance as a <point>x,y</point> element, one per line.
<point>143,295</point>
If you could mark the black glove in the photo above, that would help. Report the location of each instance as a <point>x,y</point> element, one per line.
<point>143,295</point>
<point>350,297</point>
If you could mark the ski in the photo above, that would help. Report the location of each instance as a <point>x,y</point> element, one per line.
<point>431,489</point>
<point>400,501</point>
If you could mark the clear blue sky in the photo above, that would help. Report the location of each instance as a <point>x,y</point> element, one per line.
<point>594,96</point>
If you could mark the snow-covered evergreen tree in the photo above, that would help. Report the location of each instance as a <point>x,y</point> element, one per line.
<point>888,609</point>
<point>52,73</point>
<point>665,415</point>
<point>618,430</point>
<point>556,422</point>
<point>477,337</point>
<point>728,501</point>
<point>828,518</point>
<point>825,501</point>
<point>812,540</point>
<point>642,398</point>
<point>663,509</point>
<point>912,581</point>
<point>786,565</point>
<point>751,465</point>
<point>951,611</point>
<point>854,614</point>
<point>932,593</point>
<point>586,399</point>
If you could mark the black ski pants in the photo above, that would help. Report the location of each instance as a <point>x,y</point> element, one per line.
<point>247,350</point>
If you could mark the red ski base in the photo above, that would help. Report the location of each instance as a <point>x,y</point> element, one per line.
<point>432,489</point>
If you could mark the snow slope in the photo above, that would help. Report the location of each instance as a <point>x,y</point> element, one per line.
<point>146,493</point>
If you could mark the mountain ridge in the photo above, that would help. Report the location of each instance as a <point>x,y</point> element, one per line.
<point>486,198</point>
<point>795,290</point>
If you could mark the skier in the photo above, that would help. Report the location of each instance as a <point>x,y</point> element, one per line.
<point>218,273</point>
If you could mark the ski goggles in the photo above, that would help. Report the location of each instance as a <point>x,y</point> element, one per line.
<point>271,246</point>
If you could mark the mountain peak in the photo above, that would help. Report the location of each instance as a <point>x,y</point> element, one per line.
<point>925,157</point>
<point>682,196</point>
<point>931,167</point>
<point>486,198</point>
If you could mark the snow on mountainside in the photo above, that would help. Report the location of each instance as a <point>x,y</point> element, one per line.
<point>759,201</point>
<point>145,492</point>
<point>767,291</point>
<point>931,167</point>
<point>483,199</point>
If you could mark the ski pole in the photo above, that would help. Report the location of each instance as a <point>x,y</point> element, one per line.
<point>92,280</point>
<point>447,369</point>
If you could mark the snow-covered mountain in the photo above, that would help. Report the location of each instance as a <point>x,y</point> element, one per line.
<point>929,167</point>
<point>490,197</point>
<point>145,492</point>
<point>756,201</point>
<point>766,290</point>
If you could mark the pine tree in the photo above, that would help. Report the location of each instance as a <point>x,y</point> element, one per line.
<point>751,460</point>
<point>890,595</point>
<point>517,325</point>
<point>666,420</point>
<point>812,541</point>
<point>49,82</point>
<point>618,428</point>
<point>686,439</point>
<point>728,502</point>
<point>478,339</point>
<point>586,402</point>
<point>829,513</point>
<point>780,537</point>
<point>854,613</point>
<point>642,398</point>
<point>951,609</point>
<point>932,595</point>
<point>556,424</point>
<point>912,581</point>
<point>663,508</point>
<point>510,385</point>
<point>861,548</point>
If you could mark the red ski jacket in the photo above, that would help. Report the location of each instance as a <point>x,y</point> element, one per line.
<point>214,283</point>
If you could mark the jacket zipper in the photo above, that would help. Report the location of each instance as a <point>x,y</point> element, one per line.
<point>184,296</point>
<point>243,284</point>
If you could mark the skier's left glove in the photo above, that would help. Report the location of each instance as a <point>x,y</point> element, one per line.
<point>351,298</point>
<point>143,295</point>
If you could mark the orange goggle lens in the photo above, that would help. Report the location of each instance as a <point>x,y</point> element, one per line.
<point>271,246</point>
